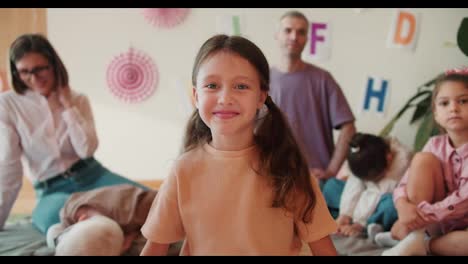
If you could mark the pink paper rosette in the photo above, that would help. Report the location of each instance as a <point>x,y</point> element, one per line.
<point>132,76</point>
<point>165,17</point>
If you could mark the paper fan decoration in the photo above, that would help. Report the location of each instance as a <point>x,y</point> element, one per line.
<point>165,17</point>
<point>132,76</point>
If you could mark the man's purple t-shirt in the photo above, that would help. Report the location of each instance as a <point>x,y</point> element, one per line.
<point>314,105</point>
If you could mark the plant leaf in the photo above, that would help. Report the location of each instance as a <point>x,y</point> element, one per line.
<point>421,109</point>
<point>425,131</point>
<point>388,128</point>
<point>431,82</point>
<point>427,127</point>
<point>462,36</point>
<point>435,131</point>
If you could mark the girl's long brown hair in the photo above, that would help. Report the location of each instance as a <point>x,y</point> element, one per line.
<point>280,155</point>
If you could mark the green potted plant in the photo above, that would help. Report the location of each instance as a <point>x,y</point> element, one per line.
<point>421,101</point>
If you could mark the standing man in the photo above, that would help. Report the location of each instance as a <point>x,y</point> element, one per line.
<point>312,101</point>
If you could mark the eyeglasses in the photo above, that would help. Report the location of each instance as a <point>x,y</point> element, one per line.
<point>38,71</point>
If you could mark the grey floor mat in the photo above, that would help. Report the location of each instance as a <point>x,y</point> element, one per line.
<point>20,238</point>
<point>356,246</point>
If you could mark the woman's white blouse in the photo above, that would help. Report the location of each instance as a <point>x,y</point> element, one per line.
<point>39,133</point>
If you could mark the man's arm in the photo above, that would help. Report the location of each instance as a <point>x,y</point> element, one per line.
<point>341,149</point>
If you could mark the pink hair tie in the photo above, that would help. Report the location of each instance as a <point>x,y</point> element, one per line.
<point>460,70</point>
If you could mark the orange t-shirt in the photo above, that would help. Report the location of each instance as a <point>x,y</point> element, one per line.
<point>216,202</point>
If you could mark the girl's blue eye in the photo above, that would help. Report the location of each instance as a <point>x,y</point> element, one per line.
<point>211,86</point>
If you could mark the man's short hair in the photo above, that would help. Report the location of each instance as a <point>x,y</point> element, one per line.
<point>295,14</point>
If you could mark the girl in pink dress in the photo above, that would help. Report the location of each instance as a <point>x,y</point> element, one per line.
<point>432,197</point>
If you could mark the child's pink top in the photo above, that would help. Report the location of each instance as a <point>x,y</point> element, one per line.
<point>452,211</point>
<point>216,202</point>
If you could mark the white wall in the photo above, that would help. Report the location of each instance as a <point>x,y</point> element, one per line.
<point>141,140</point>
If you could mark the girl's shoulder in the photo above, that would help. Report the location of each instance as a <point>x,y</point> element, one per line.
<point>189,157</point>
<point>437,142</point>
<point>438,138</point>
<point>186,164</point>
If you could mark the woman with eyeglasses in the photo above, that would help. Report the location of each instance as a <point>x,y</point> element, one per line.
<point>49,128</point>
